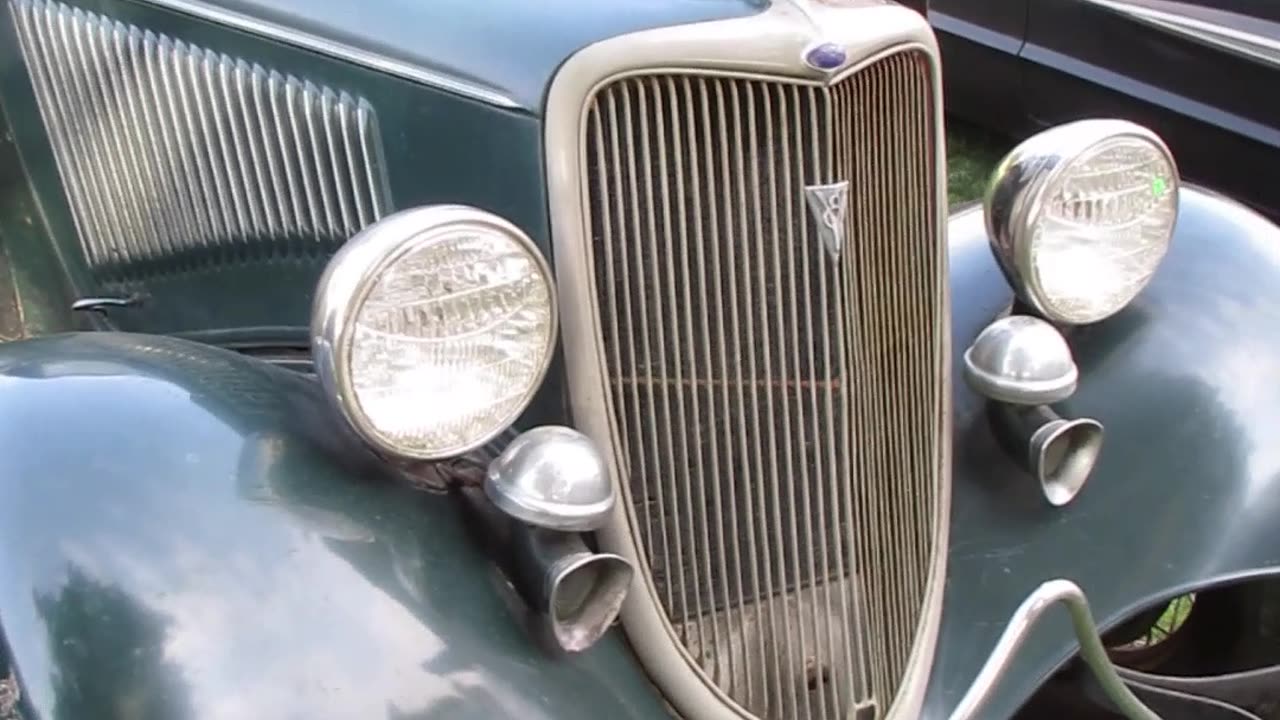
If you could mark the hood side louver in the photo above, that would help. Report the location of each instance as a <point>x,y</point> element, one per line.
<point>174,156</point>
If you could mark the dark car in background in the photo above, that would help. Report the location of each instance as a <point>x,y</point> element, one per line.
<point>1203,74</point>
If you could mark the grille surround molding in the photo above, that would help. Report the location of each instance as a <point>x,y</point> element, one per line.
<point>767,47</point>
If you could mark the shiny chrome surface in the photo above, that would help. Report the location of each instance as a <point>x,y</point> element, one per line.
<point>342,51</point>
<point>783,469</point>
<point>585,591</point>
<point>350,275</point>
<point>829,205</point>
<point>552,477</point>
<point>1198,23</point>
<point>573,593</point>
<point>1015,196</point>
<point>1063,453</point>
<point>1059,453</point>
<point>102,304</point>
<point>165,147</point>
<point>1023,360</point>
<point>1020,626</point>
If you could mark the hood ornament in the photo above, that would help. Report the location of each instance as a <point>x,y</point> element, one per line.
<point>828,205</point>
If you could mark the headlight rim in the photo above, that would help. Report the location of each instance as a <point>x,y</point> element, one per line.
<point>351,275</point>
<point>1016,191</point>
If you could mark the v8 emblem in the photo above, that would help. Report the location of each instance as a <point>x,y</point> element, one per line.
<point>828,205</point>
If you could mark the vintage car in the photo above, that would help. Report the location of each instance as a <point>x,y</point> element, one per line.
<point>573,359</point>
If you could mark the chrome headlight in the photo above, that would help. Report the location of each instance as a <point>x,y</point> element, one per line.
<point>1080,217</point>
<point>433,328</point>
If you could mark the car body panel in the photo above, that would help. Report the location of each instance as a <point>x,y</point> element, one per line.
<point>1159,44</point>
<point>38,294</point>
<point>1187,488</point>
<point>509,48</point>
<point>980,41</point>
<point>186,532</point>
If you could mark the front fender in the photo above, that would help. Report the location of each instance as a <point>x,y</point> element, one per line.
<point>1186,493</point>
<point>184,533</point>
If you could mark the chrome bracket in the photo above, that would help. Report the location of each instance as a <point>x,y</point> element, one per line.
<point>1020,626</point>
<point>100,305</point>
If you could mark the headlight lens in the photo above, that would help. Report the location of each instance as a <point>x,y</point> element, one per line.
<point>1081,215</point>
<point>433,328</point>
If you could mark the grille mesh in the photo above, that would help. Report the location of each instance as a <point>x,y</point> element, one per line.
<point>166,148</point>
<point>777,409</point>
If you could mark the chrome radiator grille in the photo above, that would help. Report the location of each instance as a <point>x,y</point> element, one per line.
<point>777,408</point>
<point>167,149</point>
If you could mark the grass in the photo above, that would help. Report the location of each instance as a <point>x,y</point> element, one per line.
<point>971,155</point>
<point>1175,615</point>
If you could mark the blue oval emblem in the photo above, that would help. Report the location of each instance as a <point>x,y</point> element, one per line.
<point>825,56</point>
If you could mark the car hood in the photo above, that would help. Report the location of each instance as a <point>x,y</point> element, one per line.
<point>508,49</point>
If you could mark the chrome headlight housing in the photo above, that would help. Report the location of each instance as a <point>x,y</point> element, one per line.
<point>1081,215</point>
<point>433,328</point>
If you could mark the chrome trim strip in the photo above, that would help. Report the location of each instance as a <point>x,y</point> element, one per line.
<point>765,46</point>
<point>1023,622</point>
<point>341,51</point>
<point>1252,45</point>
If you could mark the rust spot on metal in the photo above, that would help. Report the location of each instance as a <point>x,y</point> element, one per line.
<point>833,385</point>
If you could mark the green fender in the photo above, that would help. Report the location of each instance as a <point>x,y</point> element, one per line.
<point>186,533</point>
<point>1186,493</point>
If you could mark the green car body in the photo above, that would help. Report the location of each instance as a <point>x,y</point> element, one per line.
<point>188,530</point>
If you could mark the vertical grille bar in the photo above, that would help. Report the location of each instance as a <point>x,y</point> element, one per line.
<point>734,442</point>
<point>166,148</point>
<point>778,407</point>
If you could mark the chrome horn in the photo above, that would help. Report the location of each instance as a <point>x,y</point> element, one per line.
<point>1059,452</point>
<point>1023,363</point>
<point>547,487</point>
<point>579,591</point>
